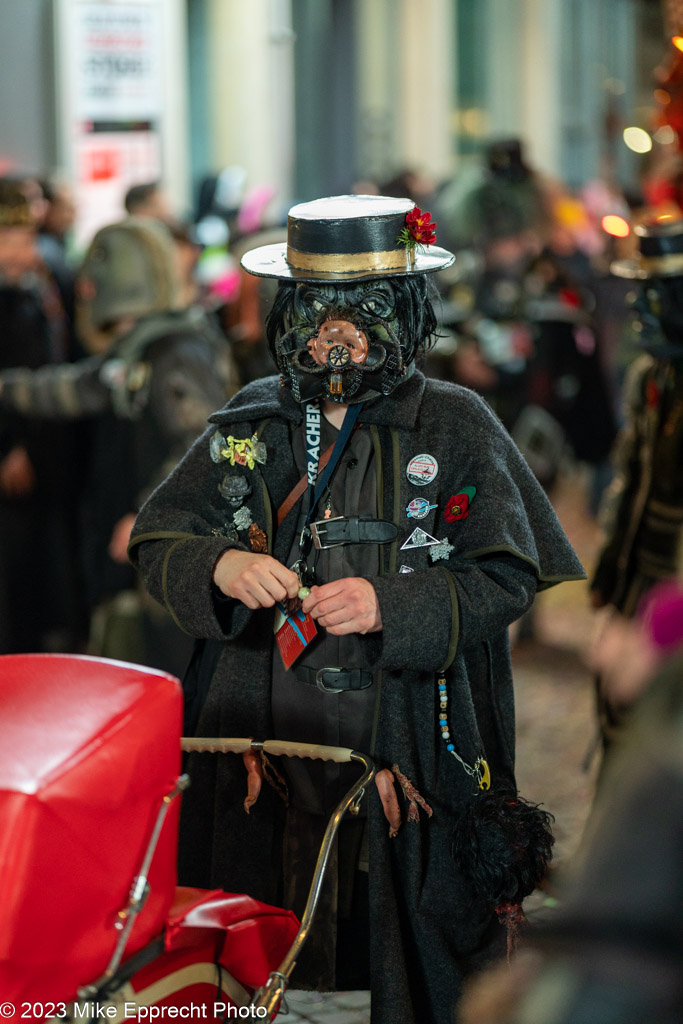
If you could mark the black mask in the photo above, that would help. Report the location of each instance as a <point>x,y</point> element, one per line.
<point>658,306</point>
<point>344,341</point>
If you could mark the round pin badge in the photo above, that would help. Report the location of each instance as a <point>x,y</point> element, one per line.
<point>422,469</point>
<point>418,508</point>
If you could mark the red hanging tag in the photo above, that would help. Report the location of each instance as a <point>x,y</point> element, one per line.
<point>293,634</point>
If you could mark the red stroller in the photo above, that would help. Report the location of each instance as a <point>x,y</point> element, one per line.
<point>93,924</point>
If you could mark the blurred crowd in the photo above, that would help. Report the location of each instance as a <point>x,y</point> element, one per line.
<point>111,359</point>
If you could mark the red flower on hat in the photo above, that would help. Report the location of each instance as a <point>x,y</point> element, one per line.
<point>419,229</point>
<point>457,507</point>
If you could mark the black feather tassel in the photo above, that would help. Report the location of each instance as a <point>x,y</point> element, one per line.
<point>503,845</point>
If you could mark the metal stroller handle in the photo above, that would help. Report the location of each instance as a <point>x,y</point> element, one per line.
<point>270,994</point>
<point>284,748</point>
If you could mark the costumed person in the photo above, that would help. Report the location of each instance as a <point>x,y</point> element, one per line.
<point>158,372</point>
<point>399,515</point>
<point>643,510</point>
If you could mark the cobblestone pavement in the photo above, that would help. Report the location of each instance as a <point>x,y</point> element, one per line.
<point>327,1008</point>
<point>557,753</point>
<point>556,727</point>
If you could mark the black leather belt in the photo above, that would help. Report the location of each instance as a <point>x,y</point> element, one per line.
<point>335,680</point>
<point>328,533</point>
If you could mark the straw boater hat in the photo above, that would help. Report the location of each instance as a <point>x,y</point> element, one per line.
<point>350,238</point>
<point>660,252</point>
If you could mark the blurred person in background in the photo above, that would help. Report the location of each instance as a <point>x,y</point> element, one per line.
<point>245,317</point>
<point>158,371</point>
<point>54,233</point>
<point>188,252</point>
<point>612,952</point>
<point>39,594</point>
<point>494,218</point>
<point>147,199</point>
<point>60,214</point>
<point>565,375</point>
<point>643,510</point>
<point>221,281</point>
<point>502,189</point>
<point>58,220</point>
<point>411,183</point>
<point>522,311</point>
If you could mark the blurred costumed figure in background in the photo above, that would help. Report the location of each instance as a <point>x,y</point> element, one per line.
<point>157,372</point>
<point>643,510</point>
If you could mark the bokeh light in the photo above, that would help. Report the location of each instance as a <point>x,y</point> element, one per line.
<point>665,135</point>
<point>613,224</point>
<point>637,139</point>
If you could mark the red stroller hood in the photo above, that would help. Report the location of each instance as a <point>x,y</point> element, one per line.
<point>89,750</point>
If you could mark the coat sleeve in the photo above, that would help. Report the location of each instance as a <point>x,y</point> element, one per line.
<point>429,615</point>
<point>64,391</point>
<point>508,546</point>
<point>178,537</point>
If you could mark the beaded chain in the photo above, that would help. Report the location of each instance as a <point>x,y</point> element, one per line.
<point>480,769</point>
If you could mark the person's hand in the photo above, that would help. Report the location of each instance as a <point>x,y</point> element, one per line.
<point>17,475</point>
<point>622,653</point>
<point>345,606</point>
<point>118,544</point>
<point>256,580</point>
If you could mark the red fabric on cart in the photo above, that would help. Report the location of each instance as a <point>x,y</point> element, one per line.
<point>254,937</point>
<point>89,749</point>
<point>246,938</point>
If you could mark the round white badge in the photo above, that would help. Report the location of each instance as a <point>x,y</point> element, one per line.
<point>422,469</point>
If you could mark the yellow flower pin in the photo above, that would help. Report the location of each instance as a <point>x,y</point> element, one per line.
<point>245,451</point>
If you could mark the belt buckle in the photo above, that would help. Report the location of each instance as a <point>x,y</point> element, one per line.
<point>320,527</point>
<point>320,684</point>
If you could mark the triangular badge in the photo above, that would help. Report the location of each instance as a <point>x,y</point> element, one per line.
<point>419,539</point>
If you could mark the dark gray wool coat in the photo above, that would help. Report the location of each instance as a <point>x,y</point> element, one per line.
<point>427,927</point>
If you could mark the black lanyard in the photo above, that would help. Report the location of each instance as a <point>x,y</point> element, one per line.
<point>317,485</point>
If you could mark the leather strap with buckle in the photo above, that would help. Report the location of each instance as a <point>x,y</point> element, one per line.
<point>329,533</point>
<point>335,680</point>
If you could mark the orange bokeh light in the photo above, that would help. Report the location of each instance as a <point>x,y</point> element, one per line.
<point>678,42</point>
<point>614,225</point>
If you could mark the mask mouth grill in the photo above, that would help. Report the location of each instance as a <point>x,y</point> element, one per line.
<point>337,343</point>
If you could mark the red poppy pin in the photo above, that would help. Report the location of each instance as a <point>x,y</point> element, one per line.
<point>420,229</point>
<point>458,505</point>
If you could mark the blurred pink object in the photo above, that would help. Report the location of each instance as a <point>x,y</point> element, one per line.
<point>661,612</point>
<point>227,286</point>
<point>250,217</point>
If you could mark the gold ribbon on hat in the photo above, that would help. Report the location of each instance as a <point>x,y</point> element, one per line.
<point>669,263</point>
<point>331,263</point>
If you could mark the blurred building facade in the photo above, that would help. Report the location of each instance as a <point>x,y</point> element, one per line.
<point>310,96</point>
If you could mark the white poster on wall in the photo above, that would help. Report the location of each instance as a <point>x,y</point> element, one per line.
<point>117,55</point>
<point>118,71</point>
